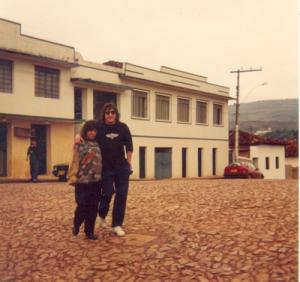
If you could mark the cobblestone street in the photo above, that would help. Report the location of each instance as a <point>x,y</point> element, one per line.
<point>177,230</point>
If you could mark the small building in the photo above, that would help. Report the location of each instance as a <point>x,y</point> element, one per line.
<point>178,120</point>
<point>266,154</point>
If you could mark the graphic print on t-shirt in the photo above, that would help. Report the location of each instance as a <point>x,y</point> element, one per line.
<point>112,135</point>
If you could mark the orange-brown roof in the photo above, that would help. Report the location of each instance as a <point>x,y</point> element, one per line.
<point>250,139</point>
<point>291,149</point>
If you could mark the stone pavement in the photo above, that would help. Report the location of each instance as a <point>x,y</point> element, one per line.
<point>177,230</point>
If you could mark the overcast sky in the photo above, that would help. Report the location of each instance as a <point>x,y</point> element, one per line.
<point>210,38</point>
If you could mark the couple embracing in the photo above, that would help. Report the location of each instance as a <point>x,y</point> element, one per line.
<point>99,169</point>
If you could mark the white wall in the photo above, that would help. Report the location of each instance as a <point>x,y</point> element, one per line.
<point>294,162</point>
<point>12,39</point>
<point>22,100</point>
<point>192,156</point>
<point>271,151</point>
<point>151,127</point>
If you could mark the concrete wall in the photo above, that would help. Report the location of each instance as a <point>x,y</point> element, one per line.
<point>183,81</point>
<point>294,162</point>
<point>60,138</point>
<point>263,151</point>
<point>60,143</point>
<point>23,100</point>
<point>192,156</point>
<point>151,127</point>
<point>13,40</point>
<point>17,151</point>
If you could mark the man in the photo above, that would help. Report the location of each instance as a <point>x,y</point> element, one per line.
<point>32,155</point>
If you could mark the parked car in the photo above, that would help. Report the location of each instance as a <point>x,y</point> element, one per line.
<point>60,171</point>
<point>242,170</point>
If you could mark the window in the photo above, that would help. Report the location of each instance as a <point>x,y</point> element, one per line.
<point>267,163</point>
<point>6,76</point>
<point>78,103</point>
<point>46,82</point>
<point>183,110</point>
<point>162,107</point>
<point>201,112</point>
<point>218,114</point>
<point>139,104</point>
<point>255,162</point>
<point>277,162</point>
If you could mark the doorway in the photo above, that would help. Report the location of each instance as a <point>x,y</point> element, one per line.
<point>142,161</point>
<point>163,163</point>
<point>39,132</point>
<point>200,162</point>
<point>3,149</point>
<point>214,161</point>
<point>183,159</point>
<point>100,99</point>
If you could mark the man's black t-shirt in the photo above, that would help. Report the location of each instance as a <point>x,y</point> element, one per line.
<point>112,139</point>
<point>33,153</point>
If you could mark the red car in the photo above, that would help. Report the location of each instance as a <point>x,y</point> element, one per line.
<point>242,170</point>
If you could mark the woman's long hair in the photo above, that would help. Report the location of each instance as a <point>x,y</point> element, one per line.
<point>88,125</point>
<point>109,106</point>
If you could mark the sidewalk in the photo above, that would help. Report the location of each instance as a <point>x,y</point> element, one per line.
<point>41,178</point>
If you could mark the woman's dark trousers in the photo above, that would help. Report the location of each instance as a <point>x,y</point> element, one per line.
<point>118,182</point>
<point>87,199</point>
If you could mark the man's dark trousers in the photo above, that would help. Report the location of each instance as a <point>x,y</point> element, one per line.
<point>87,199</point>
<point>34,168</point>
<point>118,182</point>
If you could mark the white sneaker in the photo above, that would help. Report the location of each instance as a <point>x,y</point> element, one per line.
<point>103,222</point>
<point>119,231</point>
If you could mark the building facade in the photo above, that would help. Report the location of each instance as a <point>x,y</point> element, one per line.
<point>179,121</point>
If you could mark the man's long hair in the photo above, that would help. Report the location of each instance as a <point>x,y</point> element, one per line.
<point>109,107</point>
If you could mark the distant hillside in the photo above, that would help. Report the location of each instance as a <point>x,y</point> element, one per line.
<point>260,115</point>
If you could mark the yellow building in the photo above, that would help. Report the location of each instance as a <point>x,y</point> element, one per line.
<point>178,120</point>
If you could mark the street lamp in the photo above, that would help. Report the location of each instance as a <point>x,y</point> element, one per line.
<point>253,88</point>
<point>236,151</point>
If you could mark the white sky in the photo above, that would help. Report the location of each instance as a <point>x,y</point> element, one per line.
<point>209,38</point>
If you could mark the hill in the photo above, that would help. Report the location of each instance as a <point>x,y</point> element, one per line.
<point>261,115</point>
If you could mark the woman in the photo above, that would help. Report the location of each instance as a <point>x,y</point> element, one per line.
<point>85,174</point>
<point>113,136</point>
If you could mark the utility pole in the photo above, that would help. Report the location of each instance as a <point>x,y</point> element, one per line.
<point>236,142</point>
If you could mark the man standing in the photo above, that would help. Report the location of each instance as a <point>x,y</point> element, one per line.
<point>113,137</point>
<point>32,155</point>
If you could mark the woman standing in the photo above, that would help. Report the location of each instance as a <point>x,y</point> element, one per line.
<point>85,174</point>
<point>113,136</point>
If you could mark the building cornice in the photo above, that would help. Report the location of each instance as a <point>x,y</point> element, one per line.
<point>197,92</point>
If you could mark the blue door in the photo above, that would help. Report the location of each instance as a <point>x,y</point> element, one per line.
<point>3,149</point>
<point>163,163</point>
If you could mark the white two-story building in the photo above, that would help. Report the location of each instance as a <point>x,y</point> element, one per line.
<point>178,120</point>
